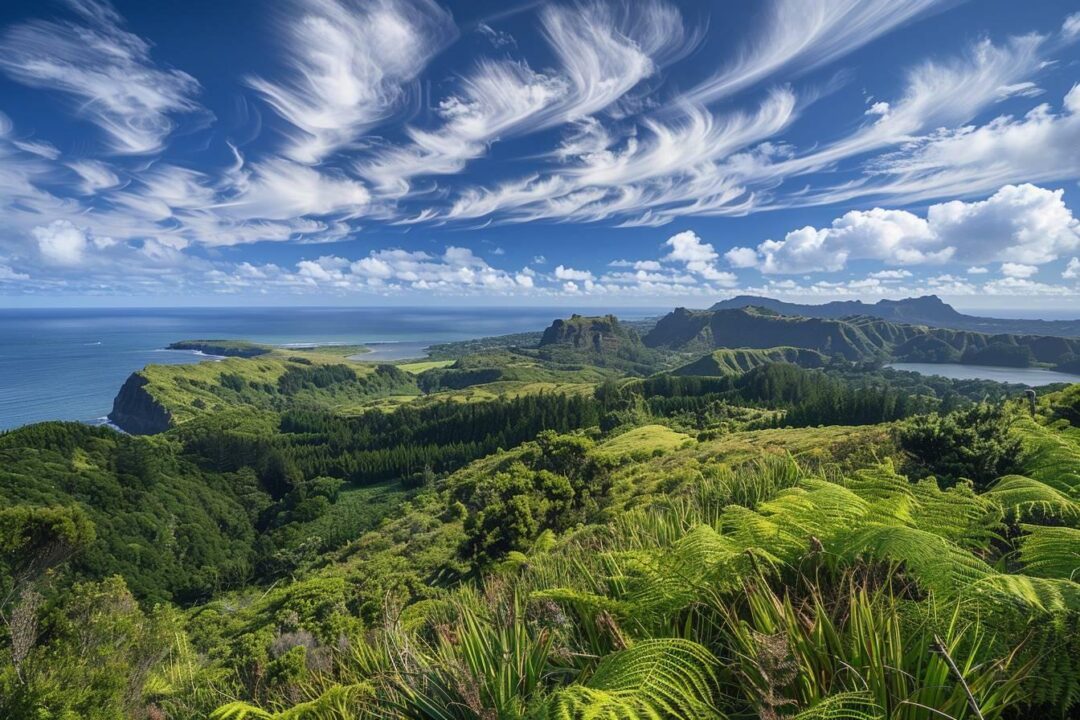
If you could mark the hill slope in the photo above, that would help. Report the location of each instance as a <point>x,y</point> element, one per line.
<point>926,310</point>
<point>854,338</point>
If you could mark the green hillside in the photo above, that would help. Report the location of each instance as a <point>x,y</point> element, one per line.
<point>735,361</point>
<point>568,529</point>
<point>161,396</point>
<point>855,338</point>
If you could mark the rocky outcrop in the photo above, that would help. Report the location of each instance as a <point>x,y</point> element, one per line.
<point>598,334</point>
<point>136,411</point>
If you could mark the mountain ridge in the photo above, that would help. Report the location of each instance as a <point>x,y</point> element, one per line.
<point>924,310</point>
<point>854,338</point>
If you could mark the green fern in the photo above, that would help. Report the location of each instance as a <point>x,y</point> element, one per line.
<point>1051,552</point>
<point>844,706</point>
<point>1024,498</point>
<point>653,679</point>
<point>341,702</point>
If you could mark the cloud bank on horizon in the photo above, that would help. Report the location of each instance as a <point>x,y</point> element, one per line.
<point>609,149</point>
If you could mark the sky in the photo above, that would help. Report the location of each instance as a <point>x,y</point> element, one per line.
<point>637,153</point>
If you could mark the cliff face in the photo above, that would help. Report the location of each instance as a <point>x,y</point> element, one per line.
<point>136,411</point>
<point>679,328</point>
<point>599,334</point>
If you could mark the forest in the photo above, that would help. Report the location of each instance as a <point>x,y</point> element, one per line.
<point>560,526</point>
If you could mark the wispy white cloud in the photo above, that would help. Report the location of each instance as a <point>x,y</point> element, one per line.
<point>350,64</point>
<point>937,93</point>
<point>277,189</point>
<point>106,69</point>
<point>800,35</point>
<point>95,176</point>
<point>1041,146</point>
<point>498,98</point>
<point>691,161</point>
<point>604,50</point>
<point>670,162</point>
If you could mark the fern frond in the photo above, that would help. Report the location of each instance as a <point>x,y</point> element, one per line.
<point>1022,498</point>
<point>340,702</point>
<point>240,711</point>
<point>653,679</point>
<point>844,706</point>
<point>1051,552</point>
<point>1027,594</point>
<point>934,562</point>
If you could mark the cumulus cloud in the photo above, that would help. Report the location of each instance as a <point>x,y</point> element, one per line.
<point>1072,269</point>
<point>106,69</point>
<point>890,275</point>
<point>687,247</point>
<point>457,270</point>
<point>1018,270</point>
<point>1017,224</point>
<point>697,256</point>
<point>61,243</point>
<point>567,273</point>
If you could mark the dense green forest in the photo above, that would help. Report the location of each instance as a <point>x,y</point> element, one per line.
<point>566,525</point>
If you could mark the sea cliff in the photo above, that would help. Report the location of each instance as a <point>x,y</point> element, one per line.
<point>136,411</point>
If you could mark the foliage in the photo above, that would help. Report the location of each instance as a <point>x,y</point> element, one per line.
<point>973,444</point>
<point>658,547</point>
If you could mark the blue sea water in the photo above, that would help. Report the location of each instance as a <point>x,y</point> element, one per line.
<point>68,364</point>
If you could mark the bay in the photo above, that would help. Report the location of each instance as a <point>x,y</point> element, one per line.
<point>67,364</point>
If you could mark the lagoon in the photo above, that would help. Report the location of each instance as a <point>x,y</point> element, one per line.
<point>1032,376</point>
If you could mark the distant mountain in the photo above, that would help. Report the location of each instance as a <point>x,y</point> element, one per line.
<point>927,310</point>
<point>853,338</point>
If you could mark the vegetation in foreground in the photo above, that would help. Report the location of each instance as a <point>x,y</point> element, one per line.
<point>574,536</point>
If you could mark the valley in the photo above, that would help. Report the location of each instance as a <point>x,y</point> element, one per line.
<point>283,525</point>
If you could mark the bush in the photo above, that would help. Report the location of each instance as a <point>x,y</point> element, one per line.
<point>974,444</point>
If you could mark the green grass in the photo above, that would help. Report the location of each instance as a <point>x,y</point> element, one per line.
<point>356,511</point>
<point>418,367</point>
<point>643,442</point>
<point>191,390</point>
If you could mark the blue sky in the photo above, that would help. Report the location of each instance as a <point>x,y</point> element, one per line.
<point>589,153</point>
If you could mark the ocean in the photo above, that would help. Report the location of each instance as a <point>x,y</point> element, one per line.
<point>68,364</point>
